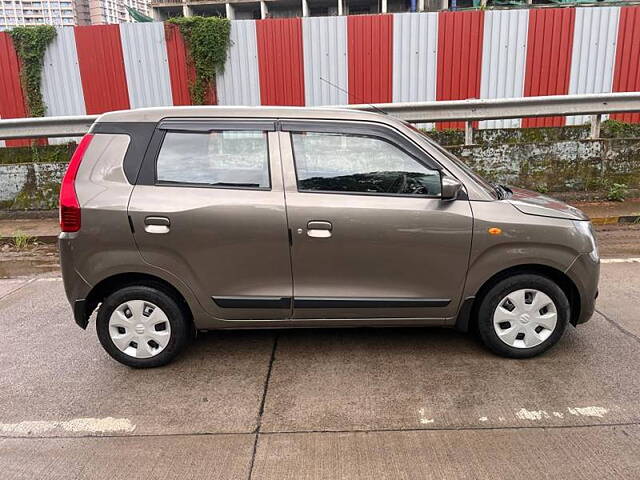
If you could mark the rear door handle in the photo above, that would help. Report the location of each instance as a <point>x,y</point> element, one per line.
<point>156,224</point>
<point>319,229</point>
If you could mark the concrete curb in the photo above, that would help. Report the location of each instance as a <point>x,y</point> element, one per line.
<point>36,238</point>
<point>616,219</point>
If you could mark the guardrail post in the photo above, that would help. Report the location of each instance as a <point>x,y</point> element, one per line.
<point>187,11</point>
<point>596,120</point>
<point>468,133</point>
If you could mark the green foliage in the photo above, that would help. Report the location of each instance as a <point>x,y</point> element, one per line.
<point>207,39</point>
<point>615,129</point>
<point>447,136</point>
<point>617,192</point>
<point>22,240</point>
<point>31,44</point>
<point>542,188</point>
<point>37,154</point>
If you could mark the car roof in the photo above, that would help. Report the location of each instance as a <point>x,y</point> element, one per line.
<point>156,114</point>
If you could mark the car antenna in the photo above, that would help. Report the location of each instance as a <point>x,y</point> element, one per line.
<point>377,109</point>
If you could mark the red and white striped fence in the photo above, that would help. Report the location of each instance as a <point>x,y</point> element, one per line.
<point>340,60</point>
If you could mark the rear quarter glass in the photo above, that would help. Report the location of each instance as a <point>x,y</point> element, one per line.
<point>100,179</point>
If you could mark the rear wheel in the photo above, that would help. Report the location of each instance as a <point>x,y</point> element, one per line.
<point>142,327</point>
<point>523,315</point>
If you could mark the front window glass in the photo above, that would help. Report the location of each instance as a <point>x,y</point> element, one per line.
<point>331,162</point>
<point>459,163</point>
<point>220,159</point>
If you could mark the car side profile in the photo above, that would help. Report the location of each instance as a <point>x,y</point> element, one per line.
<point>182,219</point>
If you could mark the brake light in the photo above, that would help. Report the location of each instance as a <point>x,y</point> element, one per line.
<point>69,205</point>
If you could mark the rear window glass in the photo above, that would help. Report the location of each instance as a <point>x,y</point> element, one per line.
<point>229,159</point>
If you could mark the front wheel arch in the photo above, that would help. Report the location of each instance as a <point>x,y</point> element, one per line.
<point>468,316</point>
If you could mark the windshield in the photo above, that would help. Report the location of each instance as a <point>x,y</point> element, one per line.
<point>492,189</point>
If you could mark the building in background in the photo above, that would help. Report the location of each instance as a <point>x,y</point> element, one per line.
<point>82,12</point>
<point>67,12</point>
<point>38,12</point>
<point>114,11</point>
<point>255,9</point>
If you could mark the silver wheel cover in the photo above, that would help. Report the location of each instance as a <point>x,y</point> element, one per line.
<point>525,318</point>
<point>139,329</point>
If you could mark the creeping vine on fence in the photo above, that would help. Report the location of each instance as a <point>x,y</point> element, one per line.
<point>207,40</point>
<point>31,43</point>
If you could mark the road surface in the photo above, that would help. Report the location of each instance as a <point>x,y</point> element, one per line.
<point>321,404</point>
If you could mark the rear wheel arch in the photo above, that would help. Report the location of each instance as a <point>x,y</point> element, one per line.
<point>119,281</point>
<point>560,278</point>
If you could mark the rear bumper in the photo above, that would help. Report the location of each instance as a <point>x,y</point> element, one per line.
<point>80,313</point>
<point>75,287</point>
<point>585,273</point>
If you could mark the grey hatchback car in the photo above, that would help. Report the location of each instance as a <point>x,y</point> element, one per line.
<point>176,220</point>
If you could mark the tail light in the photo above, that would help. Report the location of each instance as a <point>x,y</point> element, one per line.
<point>69,205</point>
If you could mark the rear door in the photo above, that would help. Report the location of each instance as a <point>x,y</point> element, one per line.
<point>209,208</point>
<point>371,236</point>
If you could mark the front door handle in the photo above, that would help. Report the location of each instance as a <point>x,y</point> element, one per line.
<point>156,224</point>
<point>319,229</point>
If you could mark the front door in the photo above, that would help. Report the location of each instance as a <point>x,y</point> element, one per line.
<point>371,237</point>
<point>210,210</point>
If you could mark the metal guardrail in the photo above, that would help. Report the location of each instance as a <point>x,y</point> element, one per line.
<point>495,109</point>
<point>502,108</point>
<point>48,127</point>
<point>416,112</point>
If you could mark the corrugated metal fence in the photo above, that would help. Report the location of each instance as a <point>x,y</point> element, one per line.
<point>339,60</point>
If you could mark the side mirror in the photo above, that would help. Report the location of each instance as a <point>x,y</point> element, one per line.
<point>450,188</point>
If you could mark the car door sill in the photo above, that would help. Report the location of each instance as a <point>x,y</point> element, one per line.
<point>348,302</point>
<point>253,302</point>
<point>329,302</point>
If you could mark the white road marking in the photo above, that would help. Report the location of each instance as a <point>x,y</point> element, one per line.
<point>524,414</point>
<point>76,425</point>
<point>423,419</point>
<point>588,411</point>
<point>620,260</point>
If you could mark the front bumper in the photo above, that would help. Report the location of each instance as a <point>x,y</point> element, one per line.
<point>585,274</point>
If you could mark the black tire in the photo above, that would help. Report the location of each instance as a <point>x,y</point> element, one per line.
<point>178,320</point>
<point>489,303</point>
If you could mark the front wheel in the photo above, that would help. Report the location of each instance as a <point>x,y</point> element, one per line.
<point>523,315</point>
<point>142,327</point>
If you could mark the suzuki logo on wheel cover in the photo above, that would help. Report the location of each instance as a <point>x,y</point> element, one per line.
<point>524,318</point>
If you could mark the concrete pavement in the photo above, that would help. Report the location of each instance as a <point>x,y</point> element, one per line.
<point>217,457</point>
<point>620,296</point>
<point>317,404</point>
<point>584,453</point>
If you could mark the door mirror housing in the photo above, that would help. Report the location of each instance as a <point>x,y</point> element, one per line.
<point>450,188</point>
